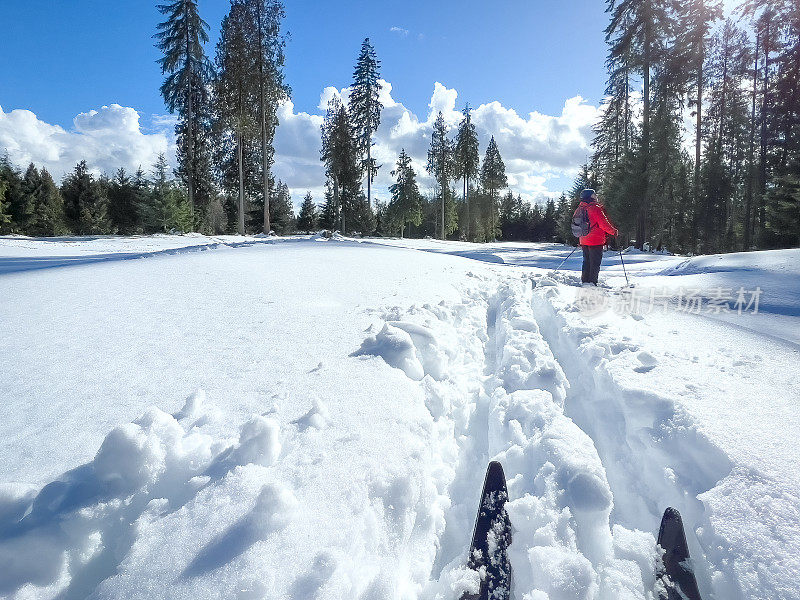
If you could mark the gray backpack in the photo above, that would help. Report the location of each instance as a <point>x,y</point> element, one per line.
<point>580,222</point>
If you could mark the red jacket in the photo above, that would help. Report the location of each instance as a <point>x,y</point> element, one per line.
<point>599,225</point>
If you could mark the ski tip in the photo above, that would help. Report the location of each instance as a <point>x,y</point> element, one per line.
<point>495,469</point>
<point>671,534</point>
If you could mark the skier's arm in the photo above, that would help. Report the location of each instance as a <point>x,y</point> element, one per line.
<point>604,223</point>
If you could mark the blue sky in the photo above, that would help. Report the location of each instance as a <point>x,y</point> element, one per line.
<point>61,59</point>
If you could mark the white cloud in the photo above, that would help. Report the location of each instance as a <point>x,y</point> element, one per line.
<point>399,31</point>
<point>107,139</point>
<point>541,152</point>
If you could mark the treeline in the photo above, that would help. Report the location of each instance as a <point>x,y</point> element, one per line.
<point>736,184</point>
<point>729,182</point>
<point>31,203</point>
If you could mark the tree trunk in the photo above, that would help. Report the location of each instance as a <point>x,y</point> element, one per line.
<point>189,133</point>
<point>369,172</point>
<point>748,215</point>
<point>337,203</point>
<point>262,108</point>
<point>698,133</point>
<point>762,167</point>
<point>627,106</point>
<point>466,201</point>
<point>641,224</point>
<point>443,192</point>
<point>240,154</point>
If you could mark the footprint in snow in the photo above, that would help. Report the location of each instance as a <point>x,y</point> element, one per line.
<point>648,362</point>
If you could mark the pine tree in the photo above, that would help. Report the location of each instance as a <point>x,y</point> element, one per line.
<point>564,213</point>
<point>467,160</point>
<point>282,210</point>
<point>141,198</point>
<point>725,168</point>
<point>23,204</point>
<point>340,155</point>
<point>85,202</point>
<point>694,23</point>
<point>329,216</point>
<point>167,208</point>
<point>614,131</point>
<point>5,214</point>
<point>405,207</point>
<point>48,219</point>
<point>493,180</point>
<point>781,126</point>
<point>365,108</point>
<point>441,165</point>
<point>122,203</point>
<point>307,219</point>
<point>185,89</point>
<point>268,44</point>
<point>636,35</point>
<point>236,96</point>
<point>10,182</point>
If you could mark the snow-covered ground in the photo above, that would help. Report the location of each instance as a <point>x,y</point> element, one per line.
<point>301,418</point>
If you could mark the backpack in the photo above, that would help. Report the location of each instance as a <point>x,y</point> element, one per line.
<point>580,222</point>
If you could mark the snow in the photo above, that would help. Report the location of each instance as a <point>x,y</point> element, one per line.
<point>230,417</point>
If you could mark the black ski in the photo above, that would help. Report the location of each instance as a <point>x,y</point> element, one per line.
<point>676,578</point>
<point>488,553</point>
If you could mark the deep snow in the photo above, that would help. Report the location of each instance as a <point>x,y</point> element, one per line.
<point>300,418</point>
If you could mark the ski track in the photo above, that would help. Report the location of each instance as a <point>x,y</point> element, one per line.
<point>591,465</point>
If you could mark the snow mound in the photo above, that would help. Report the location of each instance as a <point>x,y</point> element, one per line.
<point>71,535</point>
<point>316,418</point>
<point>396,347</point>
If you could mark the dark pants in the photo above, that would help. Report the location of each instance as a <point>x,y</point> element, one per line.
<point>592,257</point>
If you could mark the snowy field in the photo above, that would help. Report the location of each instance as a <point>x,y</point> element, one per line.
<point>297,418</point>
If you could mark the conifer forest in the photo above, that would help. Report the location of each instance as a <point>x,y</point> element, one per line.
<point>697,149</point>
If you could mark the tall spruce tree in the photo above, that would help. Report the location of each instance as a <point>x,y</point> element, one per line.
<point>695,20</point>
<point>441,165</point>
<point>405,207</point>
<point>48,217</point>
<point>726,121</point>
<point>467,160</point>
<point>308,217</point>
<point>236,102</point>
<point>493,180</point>
<point>85,202</point>
<point>328,215</point>
<point>122,203</point>
<point>185,88</point>
<point>24,203</point>
<point>340,155</point>
<point>365,108</point>
<point>636,36</point>
<point>282,211</point>
<point>10,182</point>
<point>5,213</point>
<point>268,44</point>
<point>167,209</point>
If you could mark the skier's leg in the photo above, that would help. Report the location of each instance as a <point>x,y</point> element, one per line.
<point>586,268</point>
<point>596,259</point>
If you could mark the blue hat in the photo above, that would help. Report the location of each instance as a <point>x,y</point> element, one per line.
<point>587,193</point>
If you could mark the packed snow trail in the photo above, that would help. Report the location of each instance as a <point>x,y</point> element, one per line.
<point>339,447</point>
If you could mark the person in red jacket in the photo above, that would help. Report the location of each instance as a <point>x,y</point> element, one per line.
<point>592,243</point>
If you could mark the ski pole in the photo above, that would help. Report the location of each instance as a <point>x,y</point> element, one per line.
<point>566,259</point>
<point>623,266</point>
